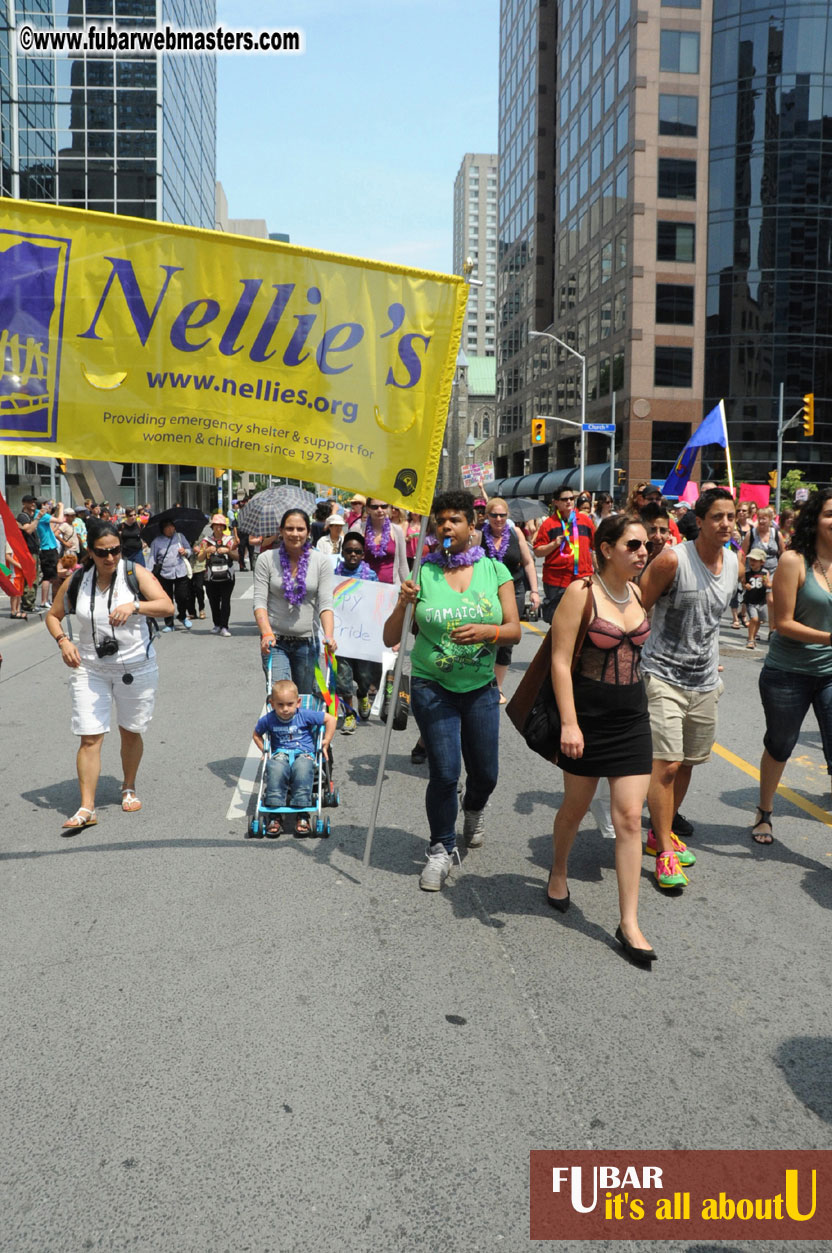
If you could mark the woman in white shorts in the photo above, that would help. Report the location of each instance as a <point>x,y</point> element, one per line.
<point>113,660</point>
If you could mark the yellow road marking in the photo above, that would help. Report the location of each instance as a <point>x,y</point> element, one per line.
<point>807,806</point>
<point>801,802</point>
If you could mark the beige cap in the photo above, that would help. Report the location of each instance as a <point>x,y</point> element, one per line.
<point>335,519</point>
<point>219,518</point>
<point>358,499</point>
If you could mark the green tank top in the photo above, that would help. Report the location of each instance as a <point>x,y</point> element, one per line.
<point>813,608</point>
<point>458,667</point>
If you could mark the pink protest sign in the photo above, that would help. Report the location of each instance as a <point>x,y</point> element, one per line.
<point>760,493</point>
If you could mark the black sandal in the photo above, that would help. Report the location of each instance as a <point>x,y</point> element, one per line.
<point>764,837</point>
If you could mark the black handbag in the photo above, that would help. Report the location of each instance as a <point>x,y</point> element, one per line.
<point>402,700</point>
<point>157,565</point>
<point>533,708</point>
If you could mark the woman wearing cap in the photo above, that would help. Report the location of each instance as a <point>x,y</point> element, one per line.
<point>330,541</point>
<point>292,588</point>
<point>356,510</point>
<point>112,661</point>
<point>218,550</point>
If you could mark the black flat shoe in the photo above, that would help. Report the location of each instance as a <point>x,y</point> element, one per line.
<point>560,903</point>
<point>643,955</point>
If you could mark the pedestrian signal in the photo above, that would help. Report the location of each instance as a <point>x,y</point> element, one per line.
<point>809,413</point>
<point>772,479</point>
<point>538,430</point>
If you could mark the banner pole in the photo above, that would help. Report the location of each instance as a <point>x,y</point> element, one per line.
<point>397,674</point>
<point>727,448</point>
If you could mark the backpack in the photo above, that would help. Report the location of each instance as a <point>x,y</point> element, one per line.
<point>71,594</point>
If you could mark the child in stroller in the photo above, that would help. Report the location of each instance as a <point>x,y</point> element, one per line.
<point>289,735</point>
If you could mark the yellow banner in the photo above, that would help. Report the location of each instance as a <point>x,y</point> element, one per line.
<point>128,340</point>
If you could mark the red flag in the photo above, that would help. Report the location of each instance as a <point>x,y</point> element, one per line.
<point>25,570</point>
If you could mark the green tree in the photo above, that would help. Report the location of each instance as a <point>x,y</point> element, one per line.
<point>792,481</point>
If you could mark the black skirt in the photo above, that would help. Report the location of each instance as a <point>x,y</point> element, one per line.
<point>616,728</point>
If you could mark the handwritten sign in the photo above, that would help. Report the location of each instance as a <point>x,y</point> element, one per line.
<point>360,609</point>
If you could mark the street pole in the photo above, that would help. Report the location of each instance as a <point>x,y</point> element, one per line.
<point>612,452</point>
<point>777,489</point>
<point>583,420</point>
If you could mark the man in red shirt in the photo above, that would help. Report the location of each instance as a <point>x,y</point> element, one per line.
<point>565,542</point>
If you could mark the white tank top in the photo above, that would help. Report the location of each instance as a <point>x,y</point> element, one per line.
<point>133,639</point>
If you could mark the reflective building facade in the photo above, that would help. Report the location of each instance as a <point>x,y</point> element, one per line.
<point>769,299</point>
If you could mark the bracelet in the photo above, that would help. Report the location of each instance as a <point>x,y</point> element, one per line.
<point>60,639</point>
<point>496,635</point>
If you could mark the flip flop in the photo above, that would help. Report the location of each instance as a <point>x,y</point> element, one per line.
<point>130,802</point>
<point>78,822</point>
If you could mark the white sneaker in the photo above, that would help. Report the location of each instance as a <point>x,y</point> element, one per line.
<point>225,631</point>
<point>473,828</point>
<point>437,870</point>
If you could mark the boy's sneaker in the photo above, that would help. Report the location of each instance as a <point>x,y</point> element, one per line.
<point>437,870</point>
<point>473,827</point>
<point>669,873</point>
<point>365,707</point>
<point>350,723</point>
<point>682,826</point>
<point>683,854</point>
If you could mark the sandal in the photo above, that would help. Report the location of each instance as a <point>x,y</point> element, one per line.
<point>274,829</point>
<point>78,822</point>
<point>129,800</point>
<point>23,617</point>
<point>763,837</point>
<point>302,827</point>
<point>751,644</point>
<point>736,626</point>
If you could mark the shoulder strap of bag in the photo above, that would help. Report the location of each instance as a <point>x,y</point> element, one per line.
<point>586,618</point>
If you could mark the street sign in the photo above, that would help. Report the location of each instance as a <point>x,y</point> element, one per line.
<point>600,428</point>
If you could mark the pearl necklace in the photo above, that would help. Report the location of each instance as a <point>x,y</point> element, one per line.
<point>615,599</point>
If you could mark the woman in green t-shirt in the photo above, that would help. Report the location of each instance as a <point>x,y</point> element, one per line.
<point>465,605</point>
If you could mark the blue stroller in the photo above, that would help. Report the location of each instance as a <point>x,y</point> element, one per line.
<point>324,792</point>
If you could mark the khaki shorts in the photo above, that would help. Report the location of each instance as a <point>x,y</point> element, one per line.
<point>683,722</point>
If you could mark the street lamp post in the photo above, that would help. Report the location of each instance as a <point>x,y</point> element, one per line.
<point>582,359</point>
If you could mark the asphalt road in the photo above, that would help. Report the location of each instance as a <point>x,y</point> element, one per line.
<point>214,1043</point>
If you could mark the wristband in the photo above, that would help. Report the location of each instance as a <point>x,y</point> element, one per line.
<point>496,635</point>
<point>60,639</point>
<point>270,636</point>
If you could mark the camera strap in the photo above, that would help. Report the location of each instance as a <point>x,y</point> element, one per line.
<point>109,605</point>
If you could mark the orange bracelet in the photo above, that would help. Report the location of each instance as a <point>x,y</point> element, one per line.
<point>496,635</point>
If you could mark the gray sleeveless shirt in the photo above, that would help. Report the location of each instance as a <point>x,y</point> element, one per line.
<point>683,645</point>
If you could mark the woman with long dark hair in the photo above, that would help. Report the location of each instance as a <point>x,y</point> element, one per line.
<point>797,673</point>
<point>113,661</point>
<point>605,726</point>
<point>292,594</point>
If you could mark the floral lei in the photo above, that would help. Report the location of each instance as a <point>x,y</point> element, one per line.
<point>294,589</point>
<point>466,558</point>
<point>377,549</point>
<point>492,549</point>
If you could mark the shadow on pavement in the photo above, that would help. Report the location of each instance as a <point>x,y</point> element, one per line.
<point>805,1062</point>
<point>64,795</point>
<point>228,769</point>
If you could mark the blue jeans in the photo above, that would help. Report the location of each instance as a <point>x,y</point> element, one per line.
<point>456,726</point>
<point>551,599</point>
<point>295,778</point>
<point>350,668</point>
<point>295,660</point>
<point>787,697</point>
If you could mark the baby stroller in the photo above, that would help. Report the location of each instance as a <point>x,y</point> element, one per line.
<point>324,793</point>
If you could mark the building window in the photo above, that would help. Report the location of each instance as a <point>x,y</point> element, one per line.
<point>677,179</point>
<point>680,52</point>
<point>678,115</point>
<point>681,4</point>
<point>676,241</point>
<point>674,303</point>
<point>673,367</point>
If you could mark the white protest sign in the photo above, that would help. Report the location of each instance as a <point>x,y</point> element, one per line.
<point>361,609</point>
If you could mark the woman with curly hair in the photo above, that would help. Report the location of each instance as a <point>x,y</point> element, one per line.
<point>798,669</point>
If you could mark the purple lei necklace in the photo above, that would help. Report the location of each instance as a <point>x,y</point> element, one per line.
<point>294,589</point>
<point>493,550</point>
<point>465,558</point>
<point>377,549</point>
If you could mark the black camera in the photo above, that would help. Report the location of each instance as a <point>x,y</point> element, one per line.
<point>107,648</point>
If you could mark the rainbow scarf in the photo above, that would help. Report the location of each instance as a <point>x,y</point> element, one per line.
<point>570,537</point>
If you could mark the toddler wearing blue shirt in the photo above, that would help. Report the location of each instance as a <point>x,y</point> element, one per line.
<point>290,770</point>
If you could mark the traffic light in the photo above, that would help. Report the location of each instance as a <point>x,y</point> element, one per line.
<point>61,464</point>
<point>809,413</point>
<point>772,479</point>
<point>620,476</point>
<point>538,430</point>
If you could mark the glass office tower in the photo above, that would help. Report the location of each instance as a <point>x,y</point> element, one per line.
<point>769,302</point>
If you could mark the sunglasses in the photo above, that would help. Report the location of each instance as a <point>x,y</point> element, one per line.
<point>567,500</point>
<point>378,506</point>
<point>106,552</point>
<point>633,545</point>
<point>498,515</point>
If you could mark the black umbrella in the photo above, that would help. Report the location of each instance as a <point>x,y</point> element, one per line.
<point>521,509</point>
<point>189,522</point>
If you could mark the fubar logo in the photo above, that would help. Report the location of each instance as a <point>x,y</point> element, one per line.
<point>33,273</point>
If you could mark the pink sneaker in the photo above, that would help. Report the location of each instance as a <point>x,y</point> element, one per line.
<point>683,853</point>
<point>669,873</point>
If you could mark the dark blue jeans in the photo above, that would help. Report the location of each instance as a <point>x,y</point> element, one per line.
<point>456,727</point>
<point>294,659</point>
<point>292,778</point>
<point>349,669</point>
<point>787,697</point>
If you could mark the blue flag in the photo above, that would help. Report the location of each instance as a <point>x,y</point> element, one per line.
<point>711,430</point>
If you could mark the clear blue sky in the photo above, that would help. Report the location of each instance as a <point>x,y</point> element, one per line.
<point>354,146</point>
